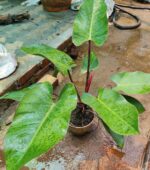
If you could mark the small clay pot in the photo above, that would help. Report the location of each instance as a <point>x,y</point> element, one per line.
<point>56,5</point>
<point>80,131</point>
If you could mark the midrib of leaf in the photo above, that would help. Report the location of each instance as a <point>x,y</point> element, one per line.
<point>114,113</point>
<point>43,121</point>
<point>136,84</point>
<point>92,19</point>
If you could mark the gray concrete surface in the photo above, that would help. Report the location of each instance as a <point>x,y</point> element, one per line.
<point>49,28</point>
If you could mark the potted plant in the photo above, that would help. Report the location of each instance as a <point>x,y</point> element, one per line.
<point>57,5</point>
<point>40,123</point>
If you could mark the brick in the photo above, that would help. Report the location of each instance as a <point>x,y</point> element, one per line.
<point>48,78</point>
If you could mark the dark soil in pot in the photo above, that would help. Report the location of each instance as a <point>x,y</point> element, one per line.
<point>82,115</point>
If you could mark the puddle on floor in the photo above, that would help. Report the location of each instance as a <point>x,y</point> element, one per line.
<point>59,164</point>
<point>55,164</point>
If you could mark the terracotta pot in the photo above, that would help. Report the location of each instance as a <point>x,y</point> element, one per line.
<point>80,131</point>
<point>56,5</point>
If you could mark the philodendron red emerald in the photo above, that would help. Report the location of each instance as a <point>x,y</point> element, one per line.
<point>40,123</point>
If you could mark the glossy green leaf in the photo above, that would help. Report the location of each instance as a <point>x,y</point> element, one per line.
<point>18,94</point>
<point>135,102</point>
<point>119,139</point>
<point>132,82</point>
<point>94,63</point>
<point>39,124</point>
<point>119,115</point>
<point>91,23</point>
<point>61,60</point>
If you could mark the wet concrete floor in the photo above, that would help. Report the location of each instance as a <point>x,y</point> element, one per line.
<point>124,51</point>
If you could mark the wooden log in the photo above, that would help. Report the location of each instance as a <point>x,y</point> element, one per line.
<point>11,19</point>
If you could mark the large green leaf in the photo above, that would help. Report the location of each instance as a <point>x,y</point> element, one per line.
<point>18,94</point>
<point>119,139</point>
<point>94,63</point>
<point>135,102</point>
<point>91,23</point>
<point>132,82</point>
<point>39,124</point>
<point>61,60</point>
<point>119,115</point>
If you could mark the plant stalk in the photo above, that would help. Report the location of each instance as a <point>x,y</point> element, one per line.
<point>89,63</point>
<point>71,79</point>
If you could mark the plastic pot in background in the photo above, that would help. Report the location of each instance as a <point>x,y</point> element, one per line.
<point>56,5</point>
<point>8,63</point>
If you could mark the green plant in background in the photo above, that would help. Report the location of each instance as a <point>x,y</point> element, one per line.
<point>40,123</point>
